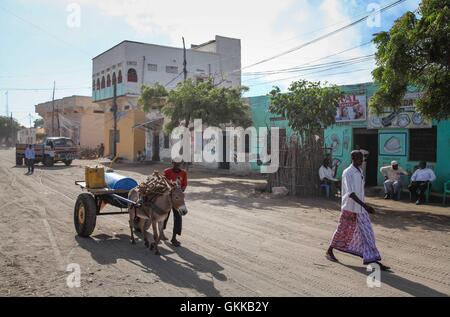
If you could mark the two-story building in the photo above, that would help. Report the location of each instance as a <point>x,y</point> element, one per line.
<point>75,117</point>
<point>129,65</point>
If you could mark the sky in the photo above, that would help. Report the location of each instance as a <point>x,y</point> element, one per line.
<point>38,46</point>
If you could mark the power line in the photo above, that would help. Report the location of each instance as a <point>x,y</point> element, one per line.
<point>320,38</point>
<point>43,30</point>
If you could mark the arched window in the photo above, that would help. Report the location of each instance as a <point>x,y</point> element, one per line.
<point>108,81</point>
<point>119,77</point>
<point>103,82</point>
<point>132,76</point>
<point>98,83</point>
<point>114,79</point>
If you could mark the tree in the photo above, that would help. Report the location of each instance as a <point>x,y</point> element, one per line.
<point>416,51</point>
<point>39,123</point>
<point>309,107</point>
<point>8,133</point>
<point>198,100</point>
<point>152,97</point>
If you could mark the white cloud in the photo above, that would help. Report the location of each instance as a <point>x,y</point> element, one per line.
<point>265,27</point>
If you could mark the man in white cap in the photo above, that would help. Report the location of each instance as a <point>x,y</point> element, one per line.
<point>393,183</point>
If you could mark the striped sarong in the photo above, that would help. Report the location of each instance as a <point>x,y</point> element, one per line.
<point>355,236</point>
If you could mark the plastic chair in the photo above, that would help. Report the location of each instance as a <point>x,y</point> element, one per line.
<point>446,191</point>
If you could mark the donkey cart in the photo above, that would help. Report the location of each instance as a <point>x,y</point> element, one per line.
<point>90,203</point>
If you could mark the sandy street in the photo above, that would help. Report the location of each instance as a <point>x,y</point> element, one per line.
<point>235,243</point>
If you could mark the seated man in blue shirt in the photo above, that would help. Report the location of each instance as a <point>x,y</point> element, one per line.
<point>419,182</point>
<point>30,156</point>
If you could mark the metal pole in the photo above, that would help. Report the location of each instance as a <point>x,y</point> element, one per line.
<point>184,61</point>
<point>53,110</point>
<point>115,121</point>
<point>7,105</point>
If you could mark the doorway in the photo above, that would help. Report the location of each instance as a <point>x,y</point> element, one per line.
<point>155,146</point>
<point>225,165</point>
<point>368,140</point>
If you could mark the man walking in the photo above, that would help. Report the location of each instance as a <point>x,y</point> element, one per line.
<point>354,234</point>
<point>176,174</point>
<point>393,183</point>
<point>420,182</point>
<point>30,156</point>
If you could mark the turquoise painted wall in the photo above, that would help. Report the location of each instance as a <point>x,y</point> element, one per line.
<point>344,132</point>
<point>108,92</point>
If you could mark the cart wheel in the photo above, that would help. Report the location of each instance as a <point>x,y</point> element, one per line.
<point>85,215</point>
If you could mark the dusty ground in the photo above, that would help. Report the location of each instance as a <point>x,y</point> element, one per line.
<point>235,243</point>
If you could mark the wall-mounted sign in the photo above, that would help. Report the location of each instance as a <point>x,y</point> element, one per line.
<point>393,144</point>
<point>351,108</point>
<point>406,117</point>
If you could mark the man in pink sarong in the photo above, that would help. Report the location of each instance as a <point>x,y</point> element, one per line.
<point>354,234</point>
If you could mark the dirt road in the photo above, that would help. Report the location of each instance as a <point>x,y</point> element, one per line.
<point>235,243</point>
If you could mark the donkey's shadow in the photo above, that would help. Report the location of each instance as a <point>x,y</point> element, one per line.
<point>106,249</point>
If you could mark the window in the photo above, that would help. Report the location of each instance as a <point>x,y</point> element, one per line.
<point>119,77</point>
<point>422,145</point>
<point>152,67</point>
<point>247,143</point>
<point>93,84</point>
<point>108,81</point>
<point>98,83</point>
<point>114,80</point>
<point>166,141</point>
<point>132,63</point>
<point>172,69</point>
<point>103,82</point>
<point>132,76</point>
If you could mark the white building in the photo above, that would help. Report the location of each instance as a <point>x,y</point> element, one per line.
<point>129,65</point>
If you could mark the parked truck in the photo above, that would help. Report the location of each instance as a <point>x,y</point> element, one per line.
<point>51,151</point>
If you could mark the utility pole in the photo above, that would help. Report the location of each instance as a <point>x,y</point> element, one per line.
<point>114,109</point>
<point>184,61</point>
<point>57,119</point>
<point>53,110</point>
<point>12,130</point>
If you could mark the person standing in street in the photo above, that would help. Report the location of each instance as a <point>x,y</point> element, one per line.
<point>30,156</point>
<point>354,234</point>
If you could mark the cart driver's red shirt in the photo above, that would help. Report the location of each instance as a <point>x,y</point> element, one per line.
<point>182,175</point>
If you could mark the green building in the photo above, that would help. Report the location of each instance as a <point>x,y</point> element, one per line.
<point>403,136</point>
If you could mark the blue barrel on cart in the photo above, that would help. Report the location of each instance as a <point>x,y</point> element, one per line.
<point>119,182</point>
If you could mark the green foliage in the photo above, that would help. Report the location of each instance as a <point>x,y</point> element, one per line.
<point>152,97</point>
<point>39,123</point>
<point>416,51</point>
<point>202,100</point>
<point>5,128</point>
<point>309,107</point>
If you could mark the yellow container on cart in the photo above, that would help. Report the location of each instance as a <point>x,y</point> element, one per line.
<point>95,177</point>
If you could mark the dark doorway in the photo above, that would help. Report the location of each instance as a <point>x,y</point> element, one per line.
<point>225,165</point>
<point>368,140</point>
<point>155,147</point>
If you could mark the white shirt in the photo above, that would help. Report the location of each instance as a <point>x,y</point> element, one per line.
<point>352,182</point>
<point>425,175</point>
<point>392,174</point>
<point>326,172</point>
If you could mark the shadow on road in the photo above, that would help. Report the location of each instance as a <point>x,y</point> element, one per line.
<point>400,283</point>
<point>106,250</point>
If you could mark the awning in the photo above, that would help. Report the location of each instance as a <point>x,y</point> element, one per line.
<point>152,124</point>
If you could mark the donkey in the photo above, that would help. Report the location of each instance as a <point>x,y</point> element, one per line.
<point>155,213</point>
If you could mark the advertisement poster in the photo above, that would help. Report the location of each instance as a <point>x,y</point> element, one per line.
<point>405,118</point>
<point>352,108</point>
